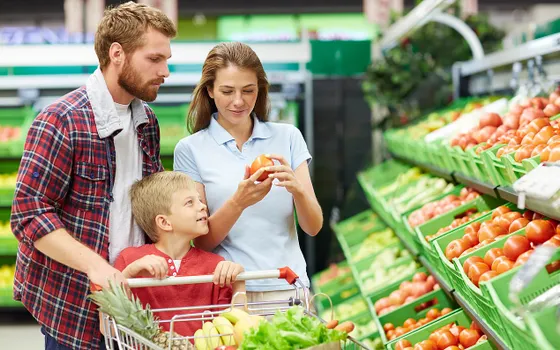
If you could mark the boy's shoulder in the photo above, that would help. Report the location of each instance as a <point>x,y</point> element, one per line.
<point>134,253</point>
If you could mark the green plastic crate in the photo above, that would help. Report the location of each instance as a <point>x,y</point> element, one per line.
<point>357,304</point>
<point>475,297</point>
<point>334,284</point>
<point>458,317</point>
<point>366,221</point>
<point>8,245</point>
<point>460,159</point>
<point>337,297</point>
<point>413,310</point>
<point>544,332</point>
<point>478,168</point>
<point>519,335</point>
<point>15,117</point>
<point>352,252</point>
<point>481,203</point>
<point>496,167</point>
<point>361,320</point>
<point>389,288</point>
<point>440,243</point>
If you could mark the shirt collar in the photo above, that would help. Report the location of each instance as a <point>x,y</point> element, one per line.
<point>221,135</point>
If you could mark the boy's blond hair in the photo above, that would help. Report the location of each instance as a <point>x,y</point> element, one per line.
<point>151,196</point>
<point>126,24</point>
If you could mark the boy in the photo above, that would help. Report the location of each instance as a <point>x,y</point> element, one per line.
<point>167,207</point>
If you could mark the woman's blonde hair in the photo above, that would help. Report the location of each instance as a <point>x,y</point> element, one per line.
<point>222,56</point>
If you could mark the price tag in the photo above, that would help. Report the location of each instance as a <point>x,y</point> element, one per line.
<point>541,183</point>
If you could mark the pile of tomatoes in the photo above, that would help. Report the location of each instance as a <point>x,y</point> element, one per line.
<point>408,291</point>
<point>526,130</point>
<point>502,223</point>
<point>411,324</point>
<point>434,209</point>
<point>448,337</point>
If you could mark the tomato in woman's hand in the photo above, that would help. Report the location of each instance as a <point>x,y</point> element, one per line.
<point>261,162</point>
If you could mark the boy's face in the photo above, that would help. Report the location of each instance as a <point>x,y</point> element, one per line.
<point>188,214</point>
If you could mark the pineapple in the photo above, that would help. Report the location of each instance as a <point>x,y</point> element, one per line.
<point>130,314</point>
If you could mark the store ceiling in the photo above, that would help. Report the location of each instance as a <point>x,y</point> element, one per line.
<point>17,9</point>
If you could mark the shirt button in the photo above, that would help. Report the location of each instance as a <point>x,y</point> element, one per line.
<point>35,174</point>
<point>172,267</point>
<point>174,273</point>
<point>170,261</point>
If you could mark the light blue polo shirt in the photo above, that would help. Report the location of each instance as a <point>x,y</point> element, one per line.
<point>264,237</point>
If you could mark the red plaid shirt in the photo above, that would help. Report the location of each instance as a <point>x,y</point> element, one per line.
<point>65,180</point>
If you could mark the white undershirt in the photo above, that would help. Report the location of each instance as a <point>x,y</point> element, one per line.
<point>123,230</point>
<point>177,264</point>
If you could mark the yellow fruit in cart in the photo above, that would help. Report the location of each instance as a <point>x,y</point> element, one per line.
<point>234,315</point>
<point>212,335</point>
<point>257,319</point>
<point>242,326</point>
<point>200,341</point>
<point>224,326</point>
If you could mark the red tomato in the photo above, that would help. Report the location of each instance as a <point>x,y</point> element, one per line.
<point>488,275</point>
<point>490,231</point>
<point>515,246</point>
<point>472,228</point>
<point>261,162</point>
<point>470,261</point>
<point>447,339</point>
<point>402,344</point>
<point>500,210</point>
<point>455,248</point>
<point>539,231</point>
<point>492,254</point>
<point>477,270</point>
<point>469,337</point>
<point>518,224</point>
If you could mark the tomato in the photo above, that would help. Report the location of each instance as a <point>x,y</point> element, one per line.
<point>539,231</point>
<point>553,266</point>
<point>506,219</point>
<point>471,239</point>
<point>517,225</point>
<point>399,331</point>
<point>488,275</point>
<point>402,344</point>
<point>419,277</point>
<point>469,337</point>
<point>528,215</point>
<point>382,304</point>
<point>499,211</point>
<point>388,326</point>
<point>397,297</point>
<point>426,345</point>
<point>490,231</point>
<point>445,311</point>
<point>433,314</point>
<point>470,261</point>
<point>515,246</point>
<point>522,259</point>
<point>504,266</point>
<point>261,162</point>
<point>391,334</point>
<point>447,339</point>
<point>472,228</point>
<point>492,254</point>
<point>455,248</point>
<point>452,347</point>
<point>476,270</point>
<point>456,330</point>
<point>409,322</point>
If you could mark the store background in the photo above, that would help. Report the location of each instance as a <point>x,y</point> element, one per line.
<point>341,40</point>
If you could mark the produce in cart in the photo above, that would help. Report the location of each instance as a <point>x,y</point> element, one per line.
<point>129,313</point>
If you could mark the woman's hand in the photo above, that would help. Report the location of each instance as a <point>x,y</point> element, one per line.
<point>285,175</point>
<point>249,191</point>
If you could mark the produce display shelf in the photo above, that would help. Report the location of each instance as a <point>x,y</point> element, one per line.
<point>444,174</point>
<point>473,315</point>
<point>501,192</point>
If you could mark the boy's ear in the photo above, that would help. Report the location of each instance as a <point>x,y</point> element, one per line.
<point>163,223</point>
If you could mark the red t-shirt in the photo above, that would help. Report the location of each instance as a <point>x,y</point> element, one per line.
<point>197,262</point>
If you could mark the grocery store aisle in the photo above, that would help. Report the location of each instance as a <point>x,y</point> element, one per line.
<point>18,330</point>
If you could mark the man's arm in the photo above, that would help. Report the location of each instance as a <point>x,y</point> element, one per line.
<point>43,182</point>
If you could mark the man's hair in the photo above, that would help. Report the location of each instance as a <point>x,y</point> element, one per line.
<point>152,195</point>
<point>126,24</point>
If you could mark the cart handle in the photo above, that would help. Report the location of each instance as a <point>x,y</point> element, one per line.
<point>281,273</point>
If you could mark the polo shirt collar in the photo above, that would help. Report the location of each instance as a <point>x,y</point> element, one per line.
<point>221,135</point>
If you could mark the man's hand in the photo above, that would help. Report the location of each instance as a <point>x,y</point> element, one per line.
<point>103,273</point>
<point>226,273</point>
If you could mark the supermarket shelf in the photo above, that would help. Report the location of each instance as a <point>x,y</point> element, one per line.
<point>446,288</point>
<point>444,174</point>
<point>476,184</point>
<point>494,338</point>
<point>505,193</point>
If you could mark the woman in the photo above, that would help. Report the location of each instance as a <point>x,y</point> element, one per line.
<point>251,223</point>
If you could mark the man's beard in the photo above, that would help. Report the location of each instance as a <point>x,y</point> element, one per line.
<point>131,82</point>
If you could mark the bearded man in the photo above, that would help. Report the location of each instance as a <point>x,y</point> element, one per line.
<point>71,212</point>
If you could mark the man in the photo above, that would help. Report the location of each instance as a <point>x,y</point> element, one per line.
<point>71,212</point>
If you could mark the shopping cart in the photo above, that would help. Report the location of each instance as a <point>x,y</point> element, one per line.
<point>120,337</point>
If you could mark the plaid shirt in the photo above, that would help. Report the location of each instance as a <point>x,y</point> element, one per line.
<point>65,181</point>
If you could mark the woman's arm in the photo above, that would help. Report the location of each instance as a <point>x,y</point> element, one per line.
<point>220,223</point>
